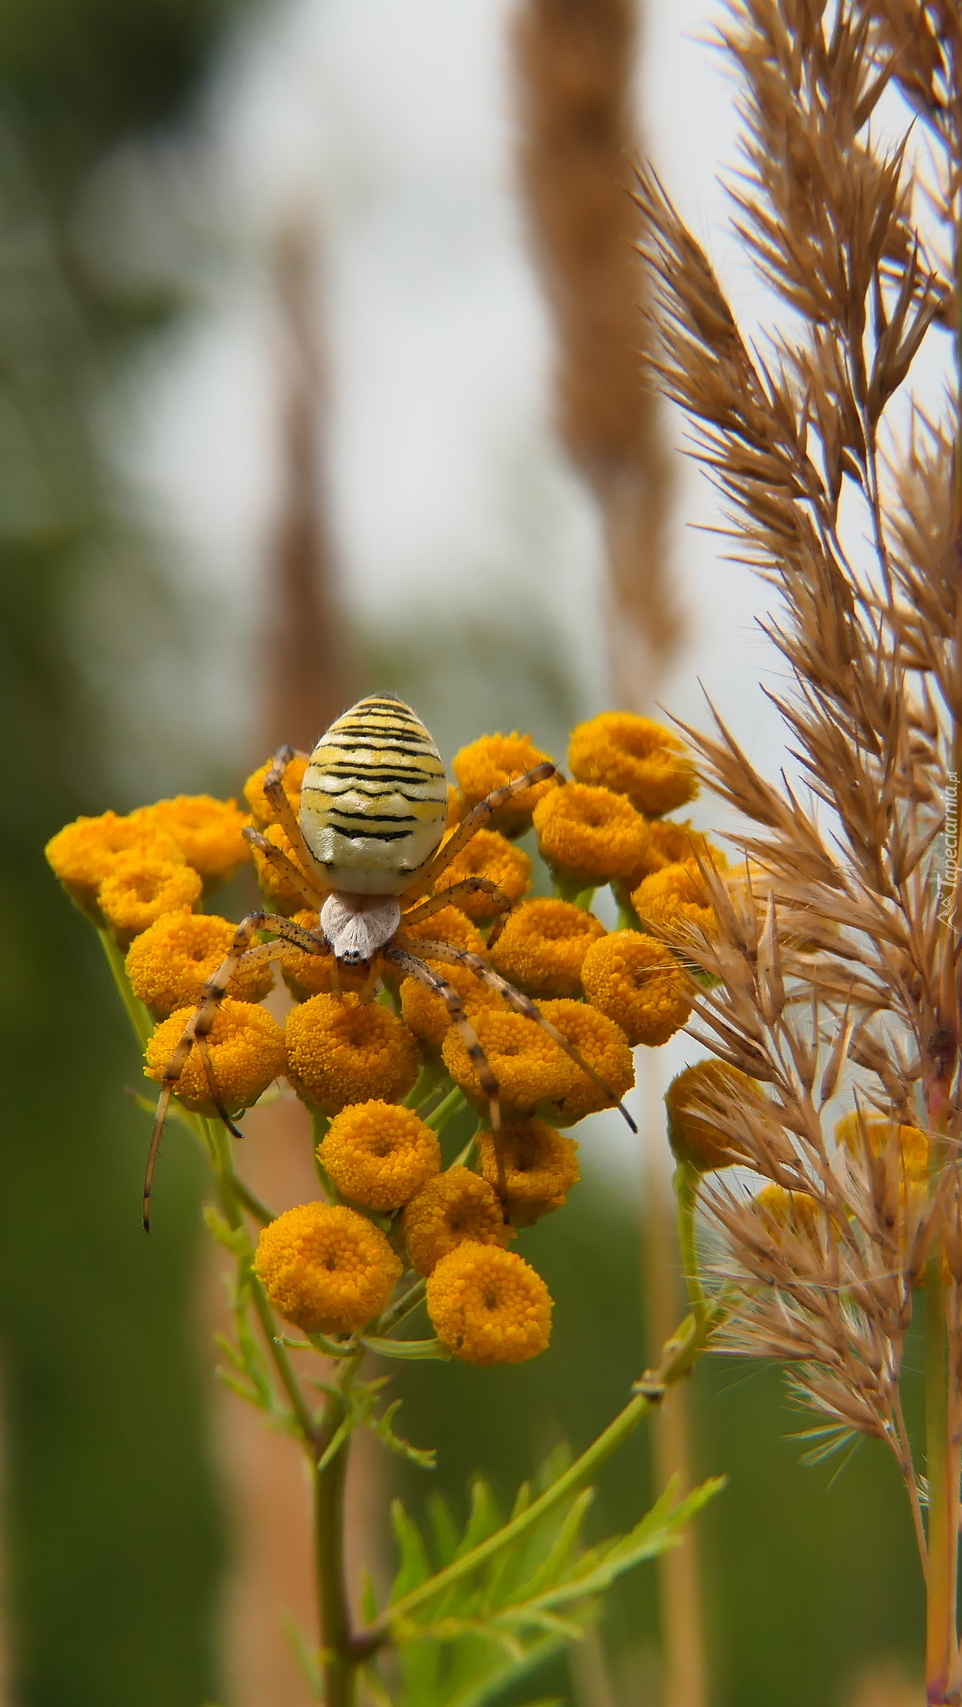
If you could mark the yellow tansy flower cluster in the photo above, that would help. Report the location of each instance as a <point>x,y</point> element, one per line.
<point>171,961</point>
<point>341,1050</point>
<point>493,857</point>
<point>141,888</point>
<point>674,899</point>
<point>491,762</point>
<point>452,1207</point>
<point>488,1305</point>
<point>636,757</point>
<point>326,1268</point>
<point>246,1047</point>
<point>639,984</point>
<point>540,1165</point>
<point>207,831</point>
<point>693,1135</point>
<point>543,947</point>
<point>529,1066</point>
<point>379,1155</point>
<point>261,809</point>
<point>589,835</point>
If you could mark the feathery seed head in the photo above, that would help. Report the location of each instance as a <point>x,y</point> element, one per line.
<point>169,963</point>
<point>543,946</point>
<point>857,1132</point>
<point>634,756</point>
<point>639,984</point>
<point>450,1208</point>
<point>691,1099</point>
<point>247,1053</point>
<point>326,1269</point>
<point>379,1154</point>
<point>341,1050</point>
<point>674,899</point>
<point>489,1306</point>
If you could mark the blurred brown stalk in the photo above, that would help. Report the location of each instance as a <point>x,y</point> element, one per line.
<point>575,66</point>
<point>574,72</point>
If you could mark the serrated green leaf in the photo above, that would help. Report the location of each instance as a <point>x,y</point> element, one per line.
<point>444,1528</point>
<point>485,1517</point>
<point>367,1597</point>
<point>423,1456</point>
<point>415,1566</point>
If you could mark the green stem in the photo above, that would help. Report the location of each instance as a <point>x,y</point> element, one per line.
<point>942,1542</point>
<point>339,1660</point>
<point>136,1012</point>
<point>678,1359</point>
<point>452,1104</point>
<point>686,1182</point>
<point>408,1301</point>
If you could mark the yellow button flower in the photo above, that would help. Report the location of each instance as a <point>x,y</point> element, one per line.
<point>448,924</point>
<point>85,852</point>
<point>327,1270</point>
<point>634,756</point>
<point>171,961</point>
<point>457,807</point>
<point>672,843</point>
<point>341,1050</point>
<point>854,1130</point>
<point>427,1013</point>
<point>489,1306</point>
<point>540,1166</point>
<point>452,1207</point>
<point>589,835</point>
<point>674,899</point>
<point>379,1154</point>
<point>280,895</point>
<point>261,810</point>
<point>543,946</point>
<point>491,762</point>
<point>790,1211</point>
<point>141,888</point>
<point>316,974</point>
<point>489,855</point>
<point>639,984</point>
<point>693,1134</point>
<point>529,1066</point>
<point>246,1049</point>
<point>207,831</point>
<point>604,1046</point>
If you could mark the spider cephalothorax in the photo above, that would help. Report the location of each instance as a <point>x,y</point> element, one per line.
<point>367,856</point>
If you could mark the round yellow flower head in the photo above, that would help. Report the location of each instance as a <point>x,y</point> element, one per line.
<point>489,1306</point>
<point>379,1154</point>
<point>279,893</point>
<point>529,1066</point>
<point>85,852</point>
<point>674,899</point>
<point>856,1130</point>
<point>639,984</point>
<point>246,1049</point>
<point>317,974</point>
<point>427,1013</point>
<point>327,1270</point>
<point>604,1046</point>
<point>540,1166</point>
<point>491,762</point>
<point>452,1207</point>
<point>634,756</point>
<point>672,843</point>
<point>543,946</point>
<point>590,835</point>
<point>448,924</point>
<point>171,961</point>
<point>341,1050</point>
<point>141,888</point>
<point>692,1133</point>
<point>262,811</point>
<point>790,1211</point>
<point>207,831</point>
<point>489,855</point>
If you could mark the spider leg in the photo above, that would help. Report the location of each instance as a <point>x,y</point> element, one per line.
<point>522,1004</point>
<point>475,820</point>
<point>312,898</point>
<point>199,1025</point>
<point>466,886</point>
<point>277,794</point>
<point>415,968</point>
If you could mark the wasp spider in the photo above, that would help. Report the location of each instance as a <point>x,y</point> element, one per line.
<point>372,815</point>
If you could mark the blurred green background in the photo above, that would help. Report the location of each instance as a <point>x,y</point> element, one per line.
<point>115,1537</point>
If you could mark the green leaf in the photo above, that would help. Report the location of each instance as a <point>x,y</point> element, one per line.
<point>424,1457</point>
